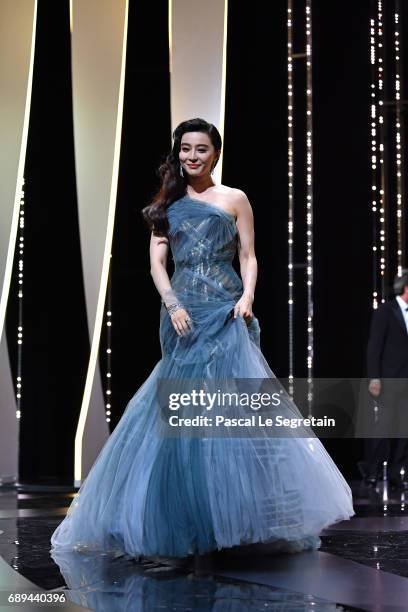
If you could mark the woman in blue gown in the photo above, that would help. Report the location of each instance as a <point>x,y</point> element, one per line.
<point>152,491</point>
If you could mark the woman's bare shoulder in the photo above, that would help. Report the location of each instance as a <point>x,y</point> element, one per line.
<point>233,196</point>
<point>232,192</point>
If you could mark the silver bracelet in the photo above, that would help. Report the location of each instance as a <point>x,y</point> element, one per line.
<point>172,309</point>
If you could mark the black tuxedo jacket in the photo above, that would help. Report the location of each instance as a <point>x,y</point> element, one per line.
<point>387,349</point>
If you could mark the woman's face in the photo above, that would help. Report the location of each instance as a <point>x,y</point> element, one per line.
<point>197,154</point>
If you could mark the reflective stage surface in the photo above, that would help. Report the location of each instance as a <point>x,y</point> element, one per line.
<point>362,564</point>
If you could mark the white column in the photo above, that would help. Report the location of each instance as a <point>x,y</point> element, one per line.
<point>99,30</point>
<point>17,39</point>
<point>198,37</point>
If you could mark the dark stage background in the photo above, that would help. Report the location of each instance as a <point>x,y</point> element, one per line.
<point>56,344</point>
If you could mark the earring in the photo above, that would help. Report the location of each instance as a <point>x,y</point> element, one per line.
<point>181,170</point>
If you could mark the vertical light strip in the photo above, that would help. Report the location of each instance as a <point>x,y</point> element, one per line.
<point>290,188</point>
<point>20,283</point>
<point>398,148</point>
<point>309,200</point>
<point>170,35</point>
<point>382,140</point>
<point>19,183</point>
<point>108,385</point>
<point>374,155</point>
<point>105,267</point>
<point>218,169</point>
<point>71,16</point>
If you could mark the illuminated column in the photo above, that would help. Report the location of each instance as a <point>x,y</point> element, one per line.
<point>387,146</point>
<point>378,138</point>
<point>17,41</point>
<point>382,187</point>
<point>399,150</point>
<point>99,34</point>
<point>308,105</point>
<point>108,361</point>
<point>20,247</point>
<point>309,200</point>
<point>374,156</point>
<point>198,63</point>
<point>290,188</point>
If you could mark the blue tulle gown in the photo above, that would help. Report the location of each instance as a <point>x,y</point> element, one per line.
<point>152,494</point>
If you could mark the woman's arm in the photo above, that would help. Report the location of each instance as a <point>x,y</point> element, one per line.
<point>247,258</point>
<point>159,247</point>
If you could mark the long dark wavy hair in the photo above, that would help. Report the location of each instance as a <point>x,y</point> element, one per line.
<point>173,185</point>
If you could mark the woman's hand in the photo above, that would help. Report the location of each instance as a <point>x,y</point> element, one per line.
<point>244,307</point>
<point>181,322</point>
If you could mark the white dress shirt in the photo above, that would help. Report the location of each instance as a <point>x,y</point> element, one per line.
<point>404,307</point>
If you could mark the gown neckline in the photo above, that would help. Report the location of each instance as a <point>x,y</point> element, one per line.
<point>187,197</point>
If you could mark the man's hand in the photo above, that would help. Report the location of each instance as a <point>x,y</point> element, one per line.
<point>374,387</point>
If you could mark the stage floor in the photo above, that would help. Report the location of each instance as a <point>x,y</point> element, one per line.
<point>362,564</point>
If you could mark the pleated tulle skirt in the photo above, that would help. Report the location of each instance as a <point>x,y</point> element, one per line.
<point>154,494</point>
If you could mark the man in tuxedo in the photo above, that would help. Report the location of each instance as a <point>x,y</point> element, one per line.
<point>387,371</point>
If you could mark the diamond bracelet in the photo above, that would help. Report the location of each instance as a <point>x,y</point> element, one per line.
<point>172,309</point>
